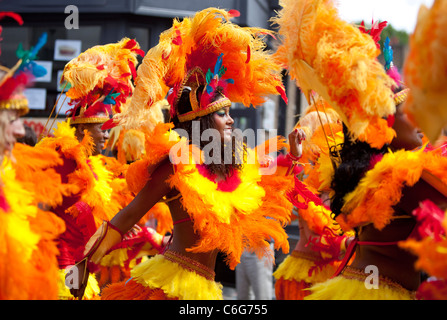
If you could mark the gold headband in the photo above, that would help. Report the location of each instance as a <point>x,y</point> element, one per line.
<point>212,107</point>
<point>17,101</point>
<point>401,96</point>
<point>19,104</point>
<point>92,119</point>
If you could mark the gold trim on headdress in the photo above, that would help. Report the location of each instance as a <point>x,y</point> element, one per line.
<point>20,104</point>
<point>401,96</point>
<point>92,119</point>
<point>195,79</point>
<point>212,107</point>
<point>18,100</point>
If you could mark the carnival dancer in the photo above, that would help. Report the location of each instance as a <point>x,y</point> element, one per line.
<point>28,264</point>
<point>426,107</point>
<point>321,244</point>
<point>378,181</point>
<point>229,206</point>
<point>100,84</point>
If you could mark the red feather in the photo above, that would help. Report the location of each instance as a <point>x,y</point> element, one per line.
<point>10,86</point>
<point>234,13</point>
<point>13,15</point>
<point>178,39</point>
<point>375,31</point>
<point>430,219</point>
<point>109,124</point>
<point>306,194</point>
<point>130,44</point>
<point>132,68</point>
<point>3,203</point>
<point>283,94</point>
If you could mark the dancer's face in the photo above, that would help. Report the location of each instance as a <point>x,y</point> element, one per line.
<point>14,129</point>
<point>224,123</point>
<point>98,135</point>
<point>408,137</point>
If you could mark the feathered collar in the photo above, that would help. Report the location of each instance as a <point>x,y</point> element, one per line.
<point>243,212</point>
<point>239,193</point>
<point>228,185</point>
<point>381,187</point>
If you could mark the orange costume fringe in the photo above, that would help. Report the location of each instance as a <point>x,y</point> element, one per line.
<point>297,273</point>
<point>381,187</point>
<point>352,285</point>
<point>28,268</point>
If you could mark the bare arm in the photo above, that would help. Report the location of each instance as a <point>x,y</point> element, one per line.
<point>152,192</point>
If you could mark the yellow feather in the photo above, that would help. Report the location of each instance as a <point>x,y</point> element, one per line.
<point>424,71</point>
<point>333,58</point>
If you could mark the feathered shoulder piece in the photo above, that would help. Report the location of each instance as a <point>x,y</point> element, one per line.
<point>206,49</point>
<point>424,71</point>
<point>100,79</point>
<point>90,179</point>
<point>130,143</point>
<point>380,189</point>
<point>325,54</point>
<point>35,169</point>
<point>65,141</point>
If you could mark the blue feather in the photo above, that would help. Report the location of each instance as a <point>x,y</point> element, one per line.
<point>27,58</point>
<point>218,66</point>
<point>387,53</point>
<point>40,43</point>
<point>36,70</point>
<point>209,89</point>
<point>110,98</point>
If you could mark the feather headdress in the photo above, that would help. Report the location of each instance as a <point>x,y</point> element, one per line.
<point>130,143</point>
<point>334,58</point>
<point>425,71</point>
<point>206,48</point>
<point>13,81</point>
<point>401,91</point>
<point>100,80</point>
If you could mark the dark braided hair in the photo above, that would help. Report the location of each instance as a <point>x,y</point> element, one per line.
<point>355,161</point>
